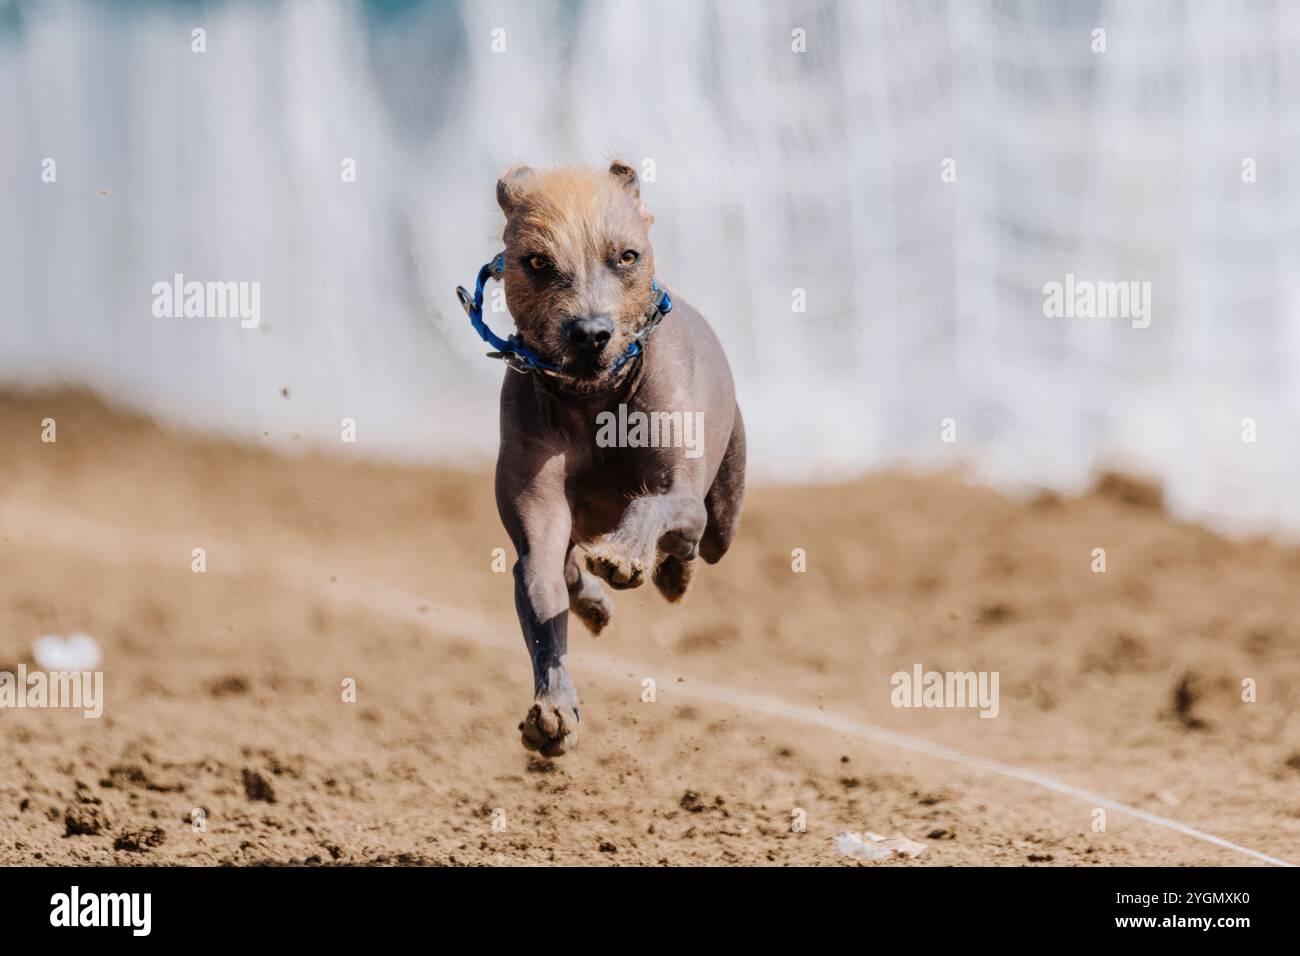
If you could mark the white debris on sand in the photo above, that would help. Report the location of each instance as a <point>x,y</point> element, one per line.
<point>876,847</point>
<point>80,652</point>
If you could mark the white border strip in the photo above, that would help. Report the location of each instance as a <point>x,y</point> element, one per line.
<point>102,541</point>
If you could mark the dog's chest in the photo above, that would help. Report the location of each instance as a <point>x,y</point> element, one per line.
<point>600,486</point>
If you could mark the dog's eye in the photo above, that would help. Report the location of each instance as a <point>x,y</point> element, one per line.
<point>628,258</point>
<point>538,263</point>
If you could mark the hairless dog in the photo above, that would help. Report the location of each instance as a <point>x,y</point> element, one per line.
<point>596,451</point>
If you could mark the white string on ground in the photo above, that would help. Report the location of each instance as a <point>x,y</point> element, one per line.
<point>103,541</point>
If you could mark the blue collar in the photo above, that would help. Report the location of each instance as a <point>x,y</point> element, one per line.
<point>519,356</point>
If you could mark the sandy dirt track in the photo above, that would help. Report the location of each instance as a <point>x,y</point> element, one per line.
<point>224,688</point>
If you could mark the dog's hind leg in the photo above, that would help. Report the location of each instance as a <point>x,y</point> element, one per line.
<point>725,495</point>
<point>673,576</point>
<point>587,598</point>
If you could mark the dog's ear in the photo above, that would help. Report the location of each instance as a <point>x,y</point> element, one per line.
<point>629,180</point>
<point>510,187</point>
<point>626,175</point>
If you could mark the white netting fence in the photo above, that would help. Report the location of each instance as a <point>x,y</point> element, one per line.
<point>773,171</point>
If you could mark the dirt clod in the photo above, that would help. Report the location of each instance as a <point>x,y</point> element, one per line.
<point>1187,692</point>
<point>84,819</point>
<point>140,841</point>
<point>1131,490</point>
<point>257,787</point>
<point>691,802</point>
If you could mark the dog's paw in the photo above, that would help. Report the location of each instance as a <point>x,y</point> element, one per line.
<point>673,577</point>
<point>593,607</point>
<point>550,726</point>
<point>614,565</point>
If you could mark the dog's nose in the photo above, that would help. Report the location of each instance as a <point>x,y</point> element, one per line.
<point>591,333</point>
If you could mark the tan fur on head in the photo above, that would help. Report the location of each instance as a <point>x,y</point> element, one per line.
<point>568,233</point>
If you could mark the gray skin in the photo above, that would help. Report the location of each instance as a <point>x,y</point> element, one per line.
<point>637,513</point>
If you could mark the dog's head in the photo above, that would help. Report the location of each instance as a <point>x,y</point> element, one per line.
<point>579,265</point>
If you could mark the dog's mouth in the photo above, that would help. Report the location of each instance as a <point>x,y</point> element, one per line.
<point>590,363</point>
<point>590,366</point>
<point>586,366</point>
<point>578,364</point>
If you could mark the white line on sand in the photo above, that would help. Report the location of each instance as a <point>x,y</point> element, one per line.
<point>103,541</point>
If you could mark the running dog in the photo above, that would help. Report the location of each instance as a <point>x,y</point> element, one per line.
<point>641,499</point>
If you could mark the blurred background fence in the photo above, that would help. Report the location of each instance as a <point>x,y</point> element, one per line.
<point>769,171</point>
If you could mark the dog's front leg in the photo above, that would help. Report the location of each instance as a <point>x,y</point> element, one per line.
<point>539,524</point>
